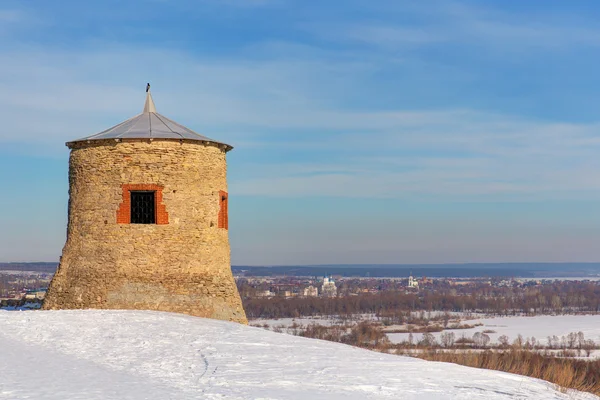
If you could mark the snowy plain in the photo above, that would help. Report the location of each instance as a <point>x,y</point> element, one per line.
<point>539,327</point>
<point>94,354</point>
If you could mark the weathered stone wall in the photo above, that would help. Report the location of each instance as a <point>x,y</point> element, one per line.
<point>182,266</point>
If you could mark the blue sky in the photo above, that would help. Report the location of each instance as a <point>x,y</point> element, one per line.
<point>364,131</point>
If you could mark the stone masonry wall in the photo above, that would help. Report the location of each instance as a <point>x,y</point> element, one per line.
<point>181,266</point>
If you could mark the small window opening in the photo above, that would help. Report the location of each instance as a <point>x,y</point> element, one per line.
<point>223,217</point>
<point>142,208</point>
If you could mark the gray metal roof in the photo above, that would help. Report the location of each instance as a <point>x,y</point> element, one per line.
<point>149,125</point>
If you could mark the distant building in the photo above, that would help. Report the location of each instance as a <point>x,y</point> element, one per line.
<point>413,283</point>
<point>426,281</point>
<point>311,291</point>
<point>328,289</point>
<point>37,294</point>
<point>265,293</point>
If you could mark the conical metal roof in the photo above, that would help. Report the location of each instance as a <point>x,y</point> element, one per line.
<point>149,125</point>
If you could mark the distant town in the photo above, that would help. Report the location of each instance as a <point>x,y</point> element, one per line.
<point>339,286</point>
<point>24,285</point>
<point>23,289</point>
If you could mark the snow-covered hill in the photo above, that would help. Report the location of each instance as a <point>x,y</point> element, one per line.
<point>122,355</point>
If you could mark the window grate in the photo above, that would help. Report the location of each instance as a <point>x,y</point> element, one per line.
<point>142,208</point>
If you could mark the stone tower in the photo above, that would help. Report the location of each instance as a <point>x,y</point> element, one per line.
<point>148,222</point>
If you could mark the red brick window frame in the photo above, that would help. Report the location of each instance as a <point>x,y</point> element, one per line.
<point>223,213</point>
<point>124,210</point>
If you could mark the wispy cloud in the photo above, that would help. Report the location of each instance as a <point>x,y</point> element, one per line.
<point>269,107</point>
<point>380,35</point>
<point>10,15</point>
<point>251,3</point>
<point>403,105</point>
<point>458,23</point>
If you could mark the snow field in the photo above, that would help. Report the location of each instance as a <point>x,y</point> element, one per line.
<point>94,354</point>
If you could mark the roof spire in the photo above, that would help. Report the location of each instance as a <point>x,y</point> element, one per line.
<point>149,105</point>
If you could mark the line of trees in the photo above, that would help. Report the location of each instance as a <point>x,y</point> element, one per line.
<point>571,345</point>
<point>559,297</point>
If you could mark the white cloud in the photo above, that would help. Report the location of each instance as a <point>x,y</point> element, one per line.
<point>458,23</point>
<point>275,106</point>
<point>291,97</point>
<point>380,35</point>
<point>10,15</point>
<point>312,119</point>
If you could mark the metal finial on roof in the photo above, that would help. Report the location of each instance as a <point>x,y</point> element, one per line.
<point>149,105</point>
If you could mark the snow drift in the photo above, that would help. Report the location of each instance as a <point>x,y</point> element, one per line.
<point>93,354</point>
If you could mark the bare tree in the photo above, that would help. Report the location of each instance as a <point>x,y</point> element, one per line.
<point>447,339</point>
<point>518,343</point>
<point>428,340</point>
<point>580,339</point>
<point>446,319</point>
<point>481,339</point>
<point>572,340</point>
<point>588,346</point>
<point>485,339</point>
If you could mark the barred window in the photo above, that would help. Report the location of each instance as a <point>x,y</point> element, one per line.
<point>142,207</point>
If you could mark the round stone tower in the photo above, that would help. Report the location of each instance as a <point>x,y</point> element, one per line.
<point>148,222</point>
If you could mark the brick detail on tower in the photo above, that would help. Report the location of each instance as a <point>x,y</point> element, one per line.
<point>124,210</point>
